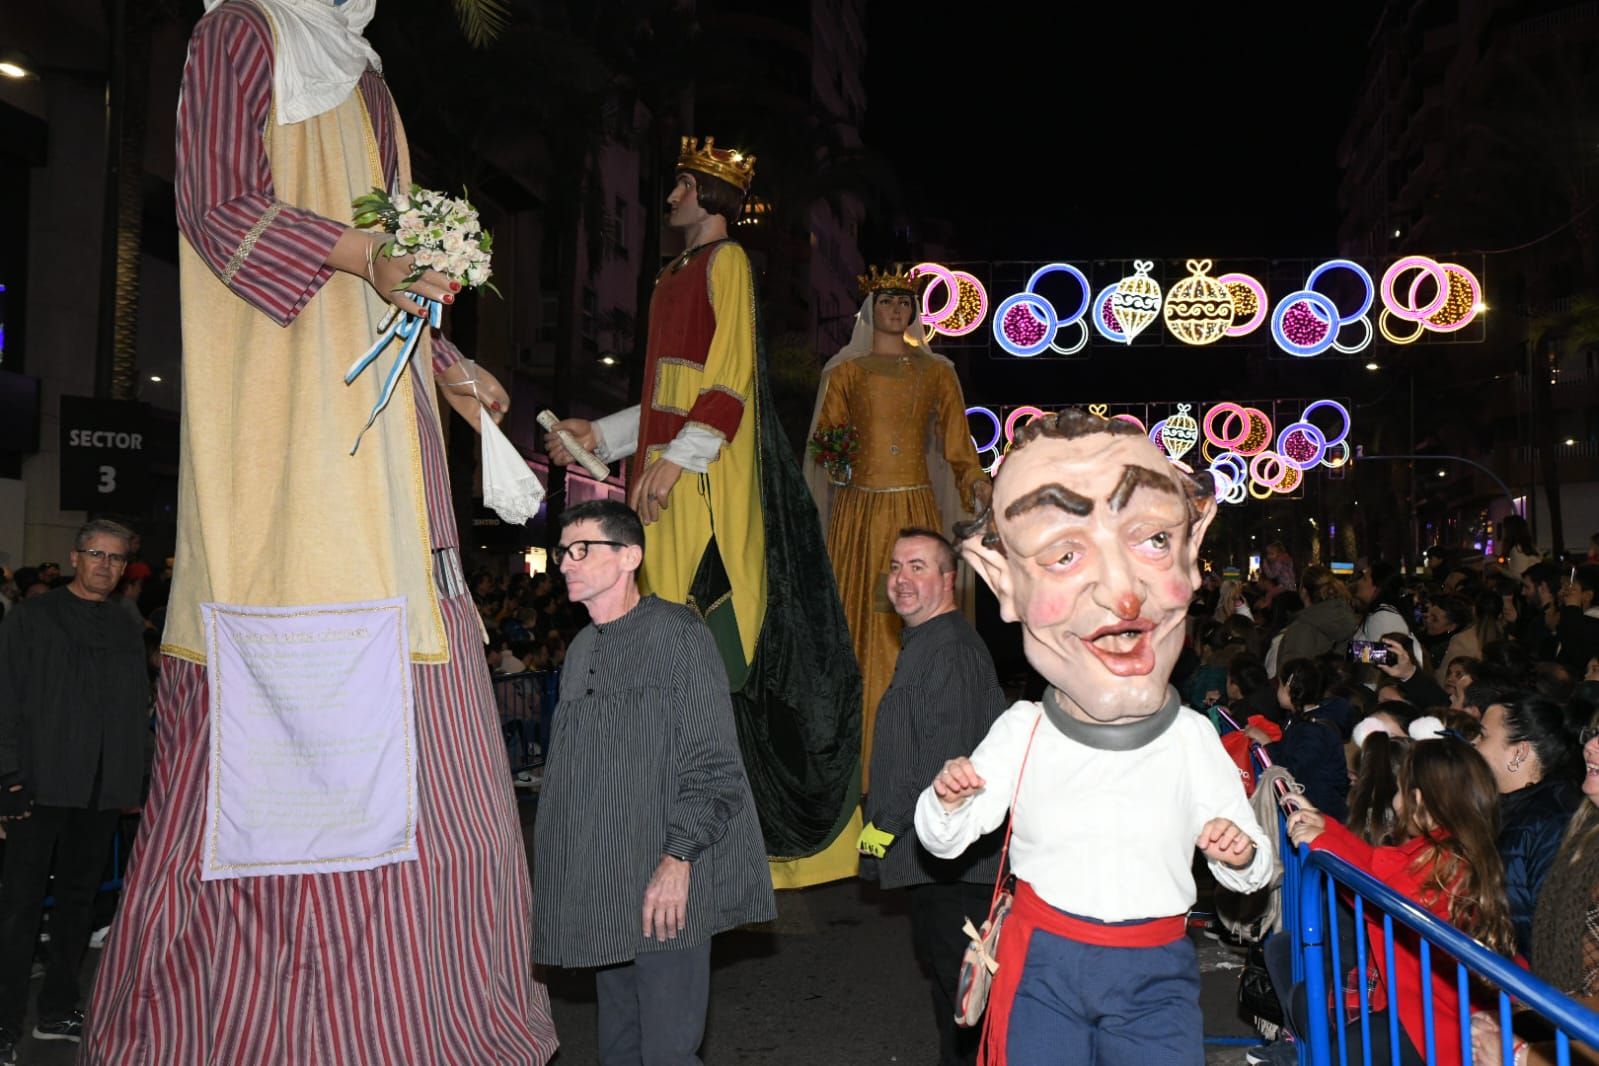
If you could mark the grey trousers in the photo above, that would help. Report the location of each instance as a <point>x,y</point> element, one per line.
<point>652,1010</point>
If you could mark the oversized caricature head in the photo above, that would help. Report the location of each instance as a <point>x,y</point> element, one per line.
<point>1092,543</point>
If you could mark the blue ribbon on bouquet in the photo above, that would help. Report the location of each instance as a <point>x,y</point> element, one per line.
<point>408,328</point>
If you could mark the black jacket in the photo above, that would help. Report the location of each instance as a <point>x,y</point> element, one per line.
<point>1532,822</point>
<point>1312,749</point>
<point>74,700</point>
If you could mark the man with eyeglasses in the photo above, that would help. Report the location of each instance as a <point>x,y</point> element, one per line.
<point>647,843</point>
<point>74,714</point>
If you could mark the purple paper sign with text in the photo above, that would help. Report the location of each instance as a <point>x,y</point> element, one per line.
<point>313,739</point>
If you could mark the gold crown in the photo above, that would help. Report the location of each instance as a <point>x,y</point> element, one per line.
<point>897,278</point>
<point>729,164</point>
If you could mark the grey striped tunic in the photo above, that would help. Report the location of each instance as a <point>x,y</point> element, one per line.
<point>944,697</point>
<point>643,762</point>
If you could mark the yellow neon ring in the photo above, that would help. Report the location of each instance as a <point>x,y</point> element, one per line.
<point>1388,334</point>
<point>1259,496</point>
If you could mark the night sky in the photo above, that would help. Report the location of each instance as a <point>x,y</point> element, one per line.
<point>1109,130</point>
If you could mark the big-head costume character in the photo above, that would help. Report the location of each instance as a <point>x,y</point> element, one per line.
<point>330,868</point>
<point>1092,543</point>
<point>733,532</point>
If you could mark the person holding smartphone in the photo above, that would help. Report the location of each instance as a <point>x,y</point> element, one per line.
<point>1416,685</point>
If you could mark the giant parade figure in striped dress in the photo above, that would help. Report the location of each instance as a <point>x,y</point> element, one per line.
<point>732,529</point>
<point>293,554</point>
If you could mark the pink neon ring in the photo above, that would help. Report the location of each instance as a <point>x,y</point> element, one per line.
<point>1010,420</point>
<point>1414,262</point>
<point>1232,411</point>
<point>1134,420</point>
<point>939,274</point>
<point>1261,309</point>
<point>1259,461</point>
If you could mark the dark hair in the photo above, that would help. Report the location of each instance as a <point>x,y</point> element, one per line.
<point>1588,578</point>
<point>1553,681</point>
<point>1302,679</point>
<point>1517,534</point>
<point>617,520</point>
<point>1542,574</point>
<point>1462,864</point>
<point>1469,666</point>
<point>1071,424</point>
<point>1508,660</point>
<point>1400,711</point>
<point>1247,672</point>
<point>946,554</point>
<point>717,196</point>
<point>1455,608</point>
<point>1542,723</point>
<point>1322,584</point>
<point>1358,696</point>
<point>1485,691</point>
<point>1371,801</point>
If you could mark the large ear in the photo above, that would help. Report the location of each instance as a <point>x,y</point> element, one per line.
<point>1205,508</point>
<point>994,568</point>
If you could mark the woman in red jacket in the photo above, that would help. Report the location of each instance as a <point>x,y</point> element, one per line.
<point>1448,863</point>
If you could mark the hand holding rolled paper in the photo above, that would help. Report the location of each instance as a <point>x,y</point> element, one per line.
<point>585,458</point>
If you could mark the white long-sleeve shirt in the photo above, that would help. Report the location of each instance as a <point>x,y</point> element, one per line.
<point>694,448</point>
<point>1102,834</point>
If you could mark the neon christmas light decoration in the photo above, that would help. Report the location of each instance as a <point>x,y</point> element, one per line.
<point>1077,317</point>
<point>1249,303</point>
<point>1343,434</point>
<point>1304,323</point>
<point>1024,324</point>
<point>1179,432</point>
<point>1360,346</point>
<point>1105,320</point>
<point>1393,338</point>
<point>1224,438</point>
<point>1199,308</point>
<point>966,305</point>
<point>1301,445</point>
<point>1461,304</point>
<point>1431,270</point>
<point>1136,301</point>
<point>1012,418</point>
<point>1258,436</point>
<point>1353,268</point>
<point>992,417</point>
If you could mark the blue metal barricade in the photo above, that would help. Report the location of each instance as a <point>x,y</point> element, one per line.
<point>1312,881</point>
<point>520,699</point>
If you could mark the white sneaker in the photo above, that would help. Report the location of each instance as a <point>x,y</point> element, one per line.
<point>529,779</point>
<point>97,938</point>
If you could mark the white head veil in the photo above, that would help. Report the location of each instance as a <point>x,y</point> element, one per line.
<point>320,53</point>
<point>945,492</point>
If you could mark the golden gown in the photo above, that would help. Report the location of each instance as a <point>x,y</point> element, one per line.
<point>898,405</point>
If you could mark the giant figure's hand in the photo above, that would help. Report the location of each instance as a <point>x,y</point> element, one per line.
<point>582,431</point>
<point>649,494</point>
<point>957,781</point>
<point>458,383</point>
<point>388,277</point>
<point>666,899</point>
<point>1222,841</point>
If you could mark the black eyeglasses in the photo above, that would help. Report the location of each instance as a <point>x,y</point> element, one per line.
<point>579,549</point>
<point>115,558</point>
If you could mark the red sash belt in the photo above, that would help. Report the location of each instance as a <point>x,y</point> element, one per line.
<point>1031,913</point>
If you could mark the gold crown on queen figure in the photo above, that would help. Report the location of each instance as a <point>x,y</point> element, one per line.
<point>897,278</point>
<point>729,164</point>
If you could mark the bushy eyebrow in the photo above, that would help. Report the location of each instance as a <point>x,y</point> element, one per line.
<point>1135,477</point>
<point>1051,495</point>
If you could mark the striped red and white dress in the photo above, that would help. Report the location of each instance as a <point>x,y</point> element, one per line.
<point>416,963</point>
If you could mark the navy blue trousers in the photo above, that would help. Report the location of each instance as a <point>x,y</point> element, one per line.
<point>1098,1006</point>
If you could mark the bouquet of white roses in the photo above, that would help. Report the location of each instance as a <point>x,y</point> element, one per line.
<point>440,233</point>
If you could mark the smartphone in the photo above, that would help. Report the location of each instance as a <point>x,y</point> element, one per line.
<point>1374,652</point>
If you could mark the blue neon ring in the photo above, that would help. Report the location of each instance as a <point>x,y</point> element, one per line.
<point>1099,320</point>
<point>1064,268</point>
<point>1311,431</point>
<point>1229,458</point>
<point>1355,269</point>
<point>998,429</point>
<point>1154,436</point>
<point>1051,324</point>
<point>1329,313</point>
<point>1332,442</point>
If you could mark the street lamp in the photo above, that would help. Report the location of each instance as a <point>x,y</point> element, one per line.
<point>15,65</point>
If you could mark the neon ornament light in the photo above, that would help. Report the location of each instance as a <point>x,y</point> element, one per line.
<point>1077,317</point>
<point>1327,460</point>
<point>1233,412</point>
<point>1353,268</point>
<point>1024,324</point>
<point>1136,300</point>
<point>1011,419</point>
<point>1132,420</point>
<point>1343,434</point>
<point>1460,304</point>
<point>1105,320</point>
<point>992,417</point>
<point>1258,437</point>
<point>1301,444</point>
<point>1430,269</point>
<point>966,307</point>
<point>940,275</point>
<point>1355,349</point>
<point>1393,338</point>
<point>1199,308</point>
<point>1249,303</point>
<point>1179,432</point>
<point>1304,323</point>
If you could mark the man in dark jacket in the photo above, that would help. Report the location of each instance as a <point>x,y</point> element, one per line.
<point>74,714</point>
<point>1578,628</point>
<point>940,704</point>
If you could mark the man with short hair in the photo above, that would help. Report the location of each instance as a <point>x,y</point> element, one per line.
<point>942,699</point>
<point>1376,590</point>
<point>1578,628</point>
<point>647,843</point>
<point>1540,587</point>
<point>74,713</point>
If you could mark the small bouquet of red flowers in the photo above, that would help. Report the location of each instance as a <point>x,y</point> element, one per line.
<point>835,448</point>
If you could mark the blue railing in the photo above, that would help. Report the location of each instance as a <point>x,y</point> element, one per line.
<point>1310,910</point>
<point>526,704</point>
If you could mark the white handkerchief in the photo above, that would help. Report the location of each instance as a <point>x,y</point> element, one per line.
<point>509,485</point>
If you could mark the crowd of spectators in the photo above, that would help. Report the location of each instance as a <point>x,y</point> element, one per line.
<point>1398,702</point>
<point>528,619</point>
